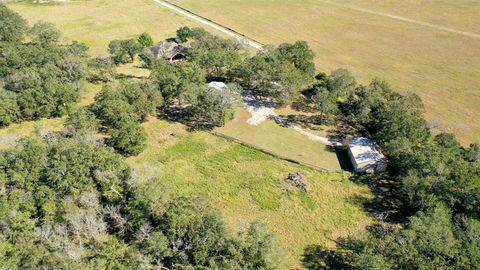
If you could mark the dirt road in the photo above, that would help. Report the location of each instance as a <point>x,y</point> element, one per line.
<point>243,39</point>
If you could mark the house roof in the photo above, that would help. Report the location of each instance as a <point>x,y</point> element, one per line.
<point>364,150</point>
<point>167,49</point>
<point>218,85</point>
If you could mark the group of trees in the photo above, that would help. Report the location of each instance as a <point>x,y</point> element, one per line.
<point>438,181</point>
<point>39,78</point>
<point>69,203</point>
<point>121,107</point>
<point>124,51</point>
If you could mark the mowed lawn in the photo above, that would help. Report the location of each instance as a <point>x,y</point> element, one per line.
<point>282,141</point>
<point>246,185</point>
<point>442,67</point>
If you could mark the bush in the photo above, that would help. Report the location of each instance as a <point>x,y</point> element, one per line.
<point>45,33</point>
<point>145,40</point>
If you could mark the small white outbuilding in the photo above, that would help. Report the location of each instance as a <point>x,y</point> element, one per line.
<point>366,157</point>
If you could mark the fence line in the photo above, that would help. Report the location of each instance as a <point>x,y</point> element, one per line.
<point>271,153</point>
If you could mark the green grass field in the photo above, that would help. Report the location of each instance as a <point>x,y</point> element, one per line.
<point>282,141</point>
<point>246,185</point>
<point>441,66</point>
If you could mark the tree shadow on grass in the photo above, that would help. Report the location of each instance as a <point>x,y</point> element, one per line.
<point>304,104</point>
<point>122,76</point>
<point>316,257</point>
<point>387,204</point>
<point>185,116</point>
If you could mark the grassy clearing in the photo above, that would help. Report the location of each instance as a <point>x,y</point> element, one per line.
<point>97,22</point>
<point>247,185</point>
<point>442,67</point>
<point>283,141</point>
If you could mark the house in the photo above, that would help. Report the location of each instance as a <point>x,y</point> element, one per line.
<point>169,50</point>
<point>218,85</point>
<point>366,157</point>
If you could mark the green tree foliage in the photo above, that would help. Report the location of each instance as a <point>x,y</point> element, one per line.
<point>184,33</point>
<point>124,51</point>
<point>82,123</point>
<point>279,73</point>
<point>180,81</point>
<point>44,33</point>
<point>128,138</point>
<point>145,39</point>
<point>431,240</point>
<point>125,101</point>
<point>39,81</point>
<point>326,102</point>
<point>216,55</point>
<point>51,203</point>
<point>217,106</point>
<point>191,235</point>
<point>280,81</point>
<point>298,53</point>
<point>342,82</point>
<point>9,110</point>
<point>121,108</point>
<point>101,69</point>
<point>147,57</point>
<point>12,25</point>
<point>70,204</point>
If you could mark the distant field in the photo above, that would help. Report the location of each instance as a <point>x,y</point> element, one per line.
<point>246,185</point>
<point>97,22</point>
<point>441,66</point>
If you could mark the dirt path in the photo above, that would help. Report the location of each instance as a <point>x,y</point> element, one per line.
<point>243,39</point>
<point>403,19</point>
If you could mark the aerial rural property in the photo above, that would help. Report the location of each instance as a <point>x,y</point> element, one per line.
<point>239,134</point>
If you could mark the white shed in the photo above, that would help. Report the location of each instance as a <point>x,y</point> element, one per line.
<point>218,85</point>
<point>366,157</point>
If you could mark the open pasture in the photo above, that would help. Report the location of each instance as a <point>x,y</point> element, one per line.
<point>97,22</point>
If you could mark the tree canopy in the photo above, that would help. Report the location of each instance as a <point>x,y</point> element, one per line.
<point>40,78</point>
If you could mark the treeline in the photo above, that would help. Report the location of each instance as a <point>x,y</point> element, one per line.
<point>71,204</point>
<point>438,181</point>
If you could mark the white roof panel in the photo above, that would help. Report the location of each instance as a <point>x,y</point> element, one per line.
<point>218,85</point>
<point>365,150</point>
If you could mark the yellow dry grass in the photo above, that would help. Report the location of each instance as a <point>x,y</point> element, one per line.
<point>97,22</point>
